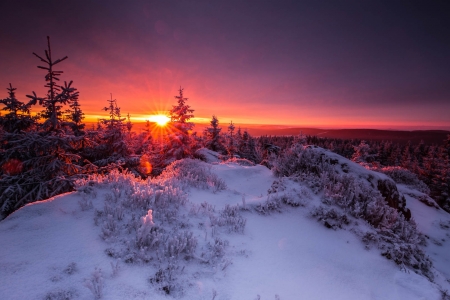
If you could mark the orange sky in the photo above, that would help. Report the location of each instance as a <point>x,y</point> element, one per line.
<point>326,64</point>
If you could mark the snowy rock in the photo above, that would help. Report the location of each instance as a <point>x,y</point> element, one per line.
<point>208,156</point>
<point>385,185</point>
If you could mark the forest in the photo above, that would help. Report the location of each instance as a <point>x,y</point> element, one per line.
<point>43,154</point>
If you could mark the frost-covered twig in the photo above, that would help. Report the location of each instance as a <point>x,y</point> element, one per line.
<point>95,283</point>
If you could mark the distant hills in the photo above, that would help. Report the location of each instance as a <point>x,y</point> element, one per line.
<point>428,136</point>
<point>400,136</point>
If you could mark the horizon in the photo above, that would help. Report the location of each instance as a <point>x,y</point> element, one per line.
<point>141,122</point>
<point>316,65</point>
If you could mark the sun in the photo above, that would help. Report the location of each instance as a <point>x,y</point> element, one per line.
<point>161,120</point>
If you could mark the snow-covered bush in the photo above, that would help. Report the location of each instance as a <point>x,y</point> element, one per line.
<point>85,202</point>
<point>147,235</point>
<point>109,228</point>
<point>147,221</point>
<point>270,205</point>
<point>192,173</point>
<point>204,208</point>
<point>96,283</point>
<point>180,242</point>
<point>330,217</point>
<point>398,238</point>
<point>218,248</point>
<point>61,295</point>
<point>231,218</point>
<point>278,195</point>
<point>404,176</point>
<point>299,160</point>
<point>165,279</point>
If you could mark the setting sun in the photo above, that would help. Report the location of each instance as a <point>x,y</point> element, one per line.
<point>161,120</point>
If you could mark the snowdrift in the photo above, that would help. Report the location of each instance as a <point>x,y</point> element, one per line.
<point>202,231</point>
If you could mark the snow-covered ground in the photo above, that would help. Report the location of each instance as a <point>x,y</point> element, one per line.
<point>55,249</point>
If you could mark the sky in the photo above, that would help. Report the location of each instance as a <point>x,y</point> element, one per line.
<point>327,64</point>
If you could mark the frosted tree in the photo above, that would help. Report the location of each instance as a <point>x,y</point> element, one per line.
<point>238,139</point>
<point>115,120</point>
<point>179,141</point>
<point>111,147</point>
<point>395,156</point>
<point>57,95</point>
<point>406,156</point>
<point>181,113</point>
<point>18,116</point>
<point>231,143</point>
<point>129,125</point>
<point>213,138</point>
<point>45,162</point>
<point>75,117</point>
<point>362,153</point>
<point>247,146</point>
<point>438,169</point>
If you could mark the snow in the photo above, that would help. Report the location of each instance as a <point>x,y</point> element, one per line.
<point>435,223</point>
<point>49,249</point>
<point>347,166</point>
<point>209,155</point>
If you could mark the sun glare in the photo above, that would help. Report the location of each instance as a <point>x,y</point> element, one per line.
<point>161,120</point>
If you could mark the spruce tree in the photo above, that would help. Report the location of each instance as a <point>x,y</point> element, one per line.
<point>57,95</point>
<point>111,148</point>
<point>129,125</point>
<point>362,153</point>
<point>43,162</point>
<point>247,146</point>
<point>231,143</point>
<point>75,117</point>
<point>213,138</point>
<point>18,116</point>
<point>179,141</point>
<point>181,113</point>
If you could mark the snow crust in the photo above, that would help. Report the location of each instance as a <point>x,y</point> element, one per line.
<point>50,248</point>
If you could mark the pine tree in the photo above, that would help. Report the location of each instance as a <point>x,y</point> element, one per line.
<point>395,156</point>
<point>238,140</point>
<point>57,95</point>
<point>179,141</point>
<point>18,117</point>
<point>406,156</point>
<point>440,182</point>
<point>213,138</point>
<point>112,147</point>
<point>129,125</point>
<point>75,115</point>
<point>181,114</point>
<point>231,144</point>
<point>362,153</point>
<point>42,163</point>
<point>247,146</point>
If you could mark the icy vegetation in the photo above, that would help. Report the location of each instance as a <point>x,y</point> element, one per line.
<point>150,222</point>
<point>348,196</point>
<point>319,229</point>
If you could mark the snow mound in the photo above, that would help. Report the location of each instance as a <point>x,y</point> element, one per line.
<point>383,183</point>
<point>181,237</point>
